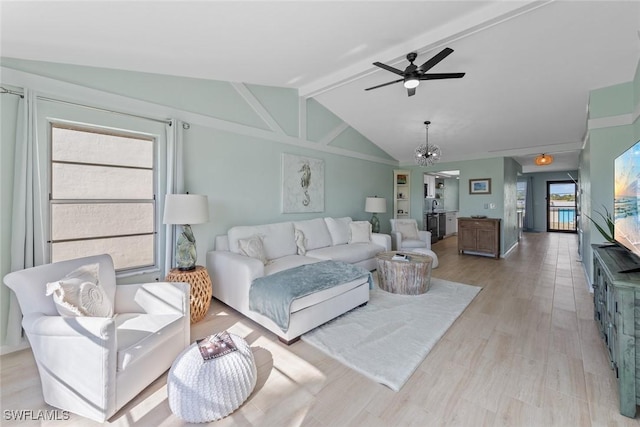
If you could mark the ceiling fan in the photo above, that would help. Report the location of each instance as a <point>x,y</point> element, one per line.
<point>412,75</point>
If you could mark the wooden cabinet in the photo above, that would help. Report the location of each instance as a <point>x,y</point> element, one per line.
<point>401,192</point>
<point>616,309</point>
<point>479,235</point>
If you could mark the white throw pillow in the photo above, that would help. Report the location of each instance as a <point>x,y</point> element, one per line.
<point>409,230</point>
<point>253,247</point>
<point>80,294</point>
<point>339,229</point>
<point>315,232</point>
<point>301,242</point>
<point>360,232</point>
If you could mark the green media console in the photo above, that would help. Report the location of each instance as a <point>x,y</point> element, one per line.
<point>616,298</point>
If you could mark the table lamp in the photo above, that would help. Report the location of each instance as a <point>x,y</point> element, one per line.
<point>186,209</point>
<point>375,205</point>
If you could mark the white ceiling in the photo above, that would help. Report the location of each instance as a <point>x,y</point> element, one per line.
<point>530,65</point>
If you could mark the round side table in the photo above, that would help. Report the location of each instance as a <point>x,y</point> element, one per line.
<point>409,277</point>
<point>201,289</point>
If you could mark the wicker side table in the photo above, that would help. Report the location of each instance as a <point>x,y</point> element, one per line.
<point>201,290</point>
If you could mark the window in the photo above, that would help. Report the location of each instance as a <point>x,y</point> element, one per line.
<point>102,195</point>
<point>521,195</point>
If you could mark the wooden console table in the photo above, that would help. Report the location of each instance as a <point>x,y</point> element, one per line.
<point>480,235</point>
<point>201,290</point>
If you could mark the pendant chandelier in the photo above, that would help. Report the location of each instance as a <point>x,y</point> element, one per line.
<point>544,159</point>
<point>427,154</point>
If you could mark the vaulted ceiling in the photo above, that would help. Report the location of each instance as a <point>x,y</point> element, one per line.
<point>529,65</point>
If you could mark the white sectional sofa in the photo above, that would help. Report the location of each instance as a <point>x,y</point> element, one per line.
<point>236,263</point>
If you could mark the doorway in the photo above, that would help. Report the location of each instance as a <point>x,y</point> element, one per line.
<point>561,206</point>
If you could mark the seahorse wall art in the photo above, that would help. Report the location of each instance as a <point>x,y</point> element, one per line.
<point>302,184</point>
<point>305,182</point>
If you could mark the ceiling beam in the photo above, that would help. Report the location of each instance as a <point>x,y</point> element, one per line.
<point>493,14</point>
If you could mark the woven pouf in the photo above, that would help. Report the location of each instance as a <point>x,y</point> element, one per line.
<point>427,252</point>
<point>206,390</point>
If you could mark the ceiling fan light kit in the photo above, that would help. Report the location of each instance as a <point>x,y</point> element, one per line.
<point>427,154</point>
<point>544,159</point>
<point>412,75</point>
<point>411,83</point>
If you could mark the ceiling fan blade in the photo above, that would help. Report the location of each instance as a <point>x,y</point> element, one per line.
<point>439,57</point>
<point>389,68</point>
<point>436,76</point>
<point>384,84</point>
<point>411,91</point>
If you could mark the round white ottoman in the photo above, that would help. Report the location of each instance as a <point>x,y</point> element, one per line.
<point>428,252</point>
<point>206,390</point>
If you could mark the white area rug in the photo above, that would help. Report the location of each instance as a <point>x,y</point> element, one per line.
<point>388,338</point>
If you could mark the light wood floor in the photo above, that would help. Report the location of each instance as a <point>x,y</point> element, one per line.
<point>526,352</point>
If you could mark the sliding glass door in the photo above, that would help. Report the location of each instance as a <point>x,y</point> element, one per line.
<point>561,206</point>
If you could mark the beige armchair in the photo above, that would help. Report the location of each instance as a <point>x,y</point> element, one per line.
<point>93,366</point>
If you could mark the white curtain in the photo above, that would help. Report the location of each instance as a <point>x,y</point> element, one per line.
<point>28,228</point>
<point>175,182</point>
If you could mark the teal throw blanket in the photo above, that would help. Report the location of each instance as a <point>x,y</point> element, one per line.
<point>272,295</point>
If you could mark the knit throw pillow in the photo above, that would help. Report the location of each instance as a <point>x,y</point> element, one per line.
<point>79,294</point>
<point>253,247</point>
<point>409,230</point>
<point>360,232</point>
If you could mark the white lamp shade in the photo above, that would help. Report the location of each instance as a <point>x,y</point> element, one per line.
<point>375,205</point>
<point>185,209</point>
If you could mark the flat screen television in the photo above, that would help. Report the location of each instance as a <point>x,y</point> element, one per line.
<point>626,205</point>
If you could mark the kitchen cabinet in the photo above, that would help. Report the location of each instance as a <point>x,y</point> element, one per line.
<point>430,186</point>
<point>401,192</point>
<point>480,235</point>
<point>616,310</point>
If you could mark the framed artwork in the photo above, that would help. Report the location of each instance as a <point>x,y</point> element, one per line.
<point>302,184</point>
<point>480,186</point>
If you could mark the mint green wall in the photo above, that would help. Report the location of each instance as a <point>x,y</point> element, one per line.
<point>611,101</point>
<point>540,193</point>
<point>209,97</point>
<point>469,204</point>
<point>281,103</point>
<point>242,177</point>
<point>238,169</point>
<point>606,139</point>
<point>451,194</point>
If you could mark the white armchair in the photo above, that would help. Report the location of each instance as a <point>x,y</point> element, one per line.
<point>405,235</point>
<point>93,366</point>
